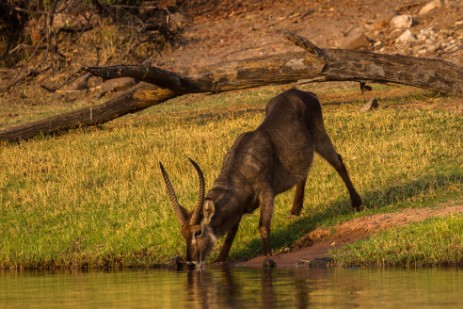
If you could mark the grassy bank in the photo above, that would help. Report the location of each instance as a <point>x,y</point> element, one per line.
<point>95,196</point>
<point>435,241</point>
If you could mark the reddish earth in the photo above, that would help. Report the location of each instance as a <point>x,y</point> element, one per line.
<point>216,31</point>
<point>315,245</point>
<point>226,30</point>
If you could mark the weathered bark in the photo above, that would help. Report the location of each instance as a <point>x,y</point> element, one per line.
<point>233,75</point>
<point>354,65</point>
<point>230,76</point>
<point>131,101</point>
<point>315,64</point>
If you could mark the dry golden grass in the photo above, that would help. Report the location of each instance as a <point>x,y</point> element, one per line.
<point>95,196</point>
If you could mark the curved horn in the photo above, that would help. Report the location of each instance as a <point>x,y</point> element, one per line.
<point>200,202</point>
<point>173,198</point>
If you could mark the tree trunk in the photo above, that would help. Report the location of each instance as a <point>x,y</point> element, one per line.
<point>315,64</point>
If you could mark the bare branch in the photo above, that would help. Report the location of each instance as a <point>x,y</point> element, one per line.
<point>315,64</point>
<point>305,44</point>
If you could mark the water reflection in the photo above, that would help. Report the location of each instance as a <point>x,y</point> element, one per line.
<point>335,288</point>
<point>235,288</point>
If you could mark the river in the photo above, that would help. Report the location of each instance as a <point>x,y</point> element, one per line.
<point>235,288</point>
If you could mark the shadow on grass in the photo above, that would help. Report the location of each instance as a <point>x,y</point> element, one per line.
<point>393,197</point>
<point>204,118</point>
<point>399,98</point>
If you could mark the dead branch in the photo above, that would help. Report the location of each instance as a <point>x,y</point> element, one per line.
<point>354,65</point>
<point>131,101</point>
<point>315,64</point>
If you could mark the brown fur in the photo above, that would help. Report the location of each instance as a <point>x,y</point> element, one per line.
<point>262,164</point>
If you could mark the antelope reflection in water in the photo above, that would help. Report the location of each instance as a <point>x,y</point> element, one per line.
<point>227,288</point>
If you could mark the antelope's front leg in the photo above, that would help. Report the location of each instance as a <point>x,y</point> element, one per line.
<point>223,255</point>
<point>266,211</point>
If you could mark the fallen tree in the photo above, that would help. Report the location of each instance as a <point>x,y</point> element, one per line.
<point>314,64</point>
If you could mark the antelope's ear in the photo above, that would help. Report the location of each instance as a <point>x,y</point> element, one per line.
<point>208,211</point>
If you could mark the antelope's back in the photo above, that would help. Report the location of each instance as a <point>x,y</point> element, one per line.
<point>289,121</point>
<point>291,110</point>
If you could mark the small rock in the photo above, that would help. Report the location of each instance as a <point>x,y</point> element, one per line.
<point>427,34</point>
<point>451,48</point>
<point>432,47</point>
<point>355,40</point>
<point>323,262</point>
<point>373,104</point>
<point>407,37</point>
<point>269,263</point>
<point>81,83</point>
<point>179,19</point>
<point>401,21</point>
<point>421,51</point>
<point>430,6</point>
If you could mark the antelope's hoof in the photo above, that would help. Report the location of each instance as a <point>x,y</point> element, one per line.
<point>357,204</point>
<point>357,207</point>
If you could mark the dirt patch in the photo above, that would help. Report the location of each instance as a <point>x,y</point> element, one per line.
<point>202,33</point>
<point>228,30</point>
<point>315,245</point>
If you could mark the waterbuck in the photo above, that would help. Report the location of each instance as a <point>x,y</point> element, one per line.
<point>260,164</point>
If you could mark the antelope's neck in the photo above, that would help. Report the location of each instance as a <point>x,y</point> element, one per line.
<point>230,202</point>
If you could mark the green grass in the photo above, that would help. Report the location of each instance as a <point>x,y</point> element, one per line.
<point>95,196</point>
<point>433,241</point>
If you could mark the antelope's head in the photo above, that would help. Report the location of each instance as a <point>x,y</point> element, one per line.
<point>195,229</point>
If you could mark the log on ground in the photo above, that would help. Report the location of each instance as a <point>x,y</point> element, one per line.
<point>314,64</point>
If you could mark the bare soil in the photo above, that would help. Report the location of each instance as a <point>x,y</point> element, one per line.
<point>233,30</point>
<point>209,32</point>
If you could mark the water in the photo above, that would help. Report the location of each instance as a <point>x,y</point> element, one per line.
<point>235,288</point>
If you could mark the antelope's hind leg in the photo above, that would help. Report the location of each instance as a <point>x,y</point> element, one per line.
<point>298,198</point>
<point>324,147</point>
